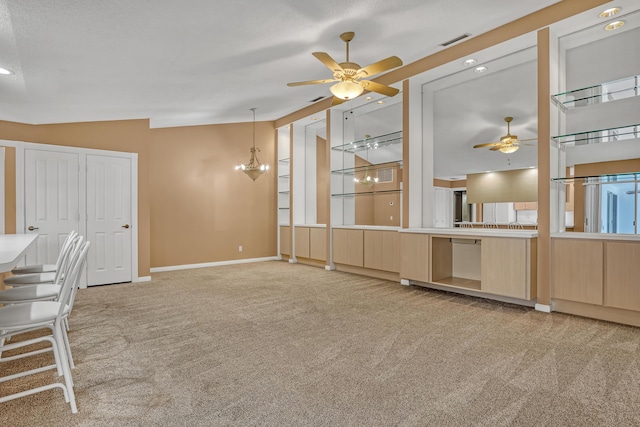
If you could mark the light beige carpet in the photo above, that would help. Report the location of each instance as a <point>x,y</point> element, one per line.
<point>278,344</point>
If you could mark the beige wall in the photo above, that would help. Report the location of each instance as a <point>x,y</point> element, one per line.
<point>505,186</point>
<point>131,136</point>
<point>193,207</point>
<point>201,208</point>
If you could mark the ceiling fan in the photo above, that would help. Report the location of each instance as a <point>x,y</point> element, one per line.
<point>349,74</point>
<point>508,143</point>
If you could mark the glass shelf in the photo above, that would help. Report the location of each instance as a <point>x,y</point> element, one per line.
<point>366,193</point>
<point>352,171</point>
<point>595,179</point>
<point>599,136</point>
<point>284,176</point>
<point>284,192</point>
<point>286,160</point>
<point>598,94</point>
<point>372,143</point>
<point>287,208</point>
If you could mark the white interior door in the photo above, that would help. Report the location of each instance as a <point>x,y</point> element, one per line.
<point>51,201</point>
<point>109,219</point>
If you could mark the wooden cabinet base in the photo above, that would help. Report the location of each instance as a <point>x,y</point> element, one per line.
<point>609,314</point>
<point>378,274</point>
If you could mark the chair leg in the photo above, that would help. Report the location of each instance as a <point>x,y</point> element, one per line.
<point>67,348</point>
<point>59,338</point>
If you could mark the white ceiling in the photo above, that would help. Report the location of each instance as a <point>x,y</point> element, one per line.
<point>202,61</point>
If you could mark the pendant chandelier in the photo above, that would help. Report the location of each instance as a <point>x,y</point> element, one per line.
<point>254,168</point>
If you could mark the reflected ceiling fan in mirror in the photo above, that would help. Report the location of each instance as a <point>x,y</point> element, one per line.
<point>508,143</point>
<point>349,74</point>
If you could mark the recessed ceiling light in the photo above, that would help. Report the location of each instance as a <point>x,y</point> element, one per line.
<point>369,98</point>
<point>608,13</point>
<point>469,61</point>
<point>613,25</point>
<point>380,102</point>
<point>480,69</point>
<point>5,71</point>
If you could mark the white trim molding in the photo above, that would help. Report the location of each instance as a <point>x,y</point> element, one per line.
<point>142,279</point>
<point>405,282</point>
<point>211,264</point>
<point>544,308</point>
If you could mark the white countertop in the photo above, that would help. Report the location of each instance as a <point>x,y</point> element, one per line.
<point>368,227</point>
<point>12,248</point>
<point>475,232</point>
<point>596,236</point>
<point>311,225</point>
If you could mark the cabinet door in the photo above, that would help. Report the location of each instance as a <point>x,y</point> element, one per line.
<point>348,247</point>
<point>373,249</point>
<point>621,284</point>
<point>318,243</point>
<point>285,240</point>
<point>382,250</point>
<point>505,267</point>
<point>577,270</point>
<point>302,242</point>
<point>391,251</point>
<point>414,263</point>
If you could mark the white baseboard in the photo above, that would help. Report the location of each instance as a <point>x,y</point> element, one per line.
<point>211,264</point>
<point>544,308</point>
<point>405,282</point>
<point>329,268</point>
<point>142,279</point>
<point>293,261</point>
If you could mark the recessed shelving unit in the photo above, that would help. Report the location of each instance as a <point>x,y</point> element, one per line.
<point>599,136</point>
<point>620,178</point>
<point>371,143</point>
<point>598,94</point>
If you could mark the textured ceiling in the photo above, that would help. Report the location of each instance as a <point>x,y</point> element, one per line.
<point>203,61</point>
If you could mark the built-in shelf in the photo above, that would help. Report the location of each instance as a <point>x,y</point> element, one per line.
<point>599,136</point>
<point>284,176</point>
<point>372,143</point>
<point>286,160</point>
<point>376,167</point>
<point>284,192</point>
<point>597,94</point>
<point>628,177</point>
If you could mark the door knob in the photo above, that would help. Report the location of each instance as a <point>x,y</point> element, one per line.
<point>31,228</point>
<point>125,226</point>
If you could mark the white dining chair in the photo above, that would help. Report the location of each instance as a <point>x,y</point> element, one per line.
<point>19,318</point>
<point>466,224</point>
<point>489,224</point>
<point>44,292</point>
<point>515,226</point>
<point>51,277</point>
<point>46,268</point>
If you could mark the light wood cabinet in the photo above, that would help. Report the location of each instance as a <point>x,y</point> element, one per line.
<point>348,247</point>
<point>525,206</point>
<point>577,270</point>
<point>414,262</point>
<point>302,242</point>
<point>285,240</point>
<point>382,250</point>
<point>318,243</point>
<point>506,267</point>
<point>621,282</point>
<point>311,243</point>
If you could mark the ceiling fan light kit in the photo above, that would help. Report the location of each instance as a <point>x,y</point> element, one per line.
<point>348,75</point>
<point>508,144</point>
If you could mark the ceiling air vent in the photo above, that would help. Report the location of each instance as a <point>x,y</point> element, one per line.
<point>317,99</point>
<point>457,39</point>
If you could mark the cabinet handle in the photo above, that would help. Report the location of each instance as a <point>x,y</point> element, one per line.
<point>31,228</point>
<point>125,226</point>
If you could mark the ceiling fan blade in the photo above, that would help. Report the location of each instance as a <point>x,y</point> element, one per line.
<point>311,82</point>
<point>490,144</point>
<point>336,101</point>
<point>379,88</point>
<point>496,148</point>
<point>328,61</point>
<point>380,66</point>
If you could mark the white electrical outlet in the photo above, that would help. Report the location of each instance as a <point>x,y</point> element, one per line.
<point>391,218</point>
<point>240,248</point>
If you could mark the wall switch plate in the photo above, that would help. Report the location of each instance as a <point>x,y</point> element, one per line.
<point>240,248</point>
